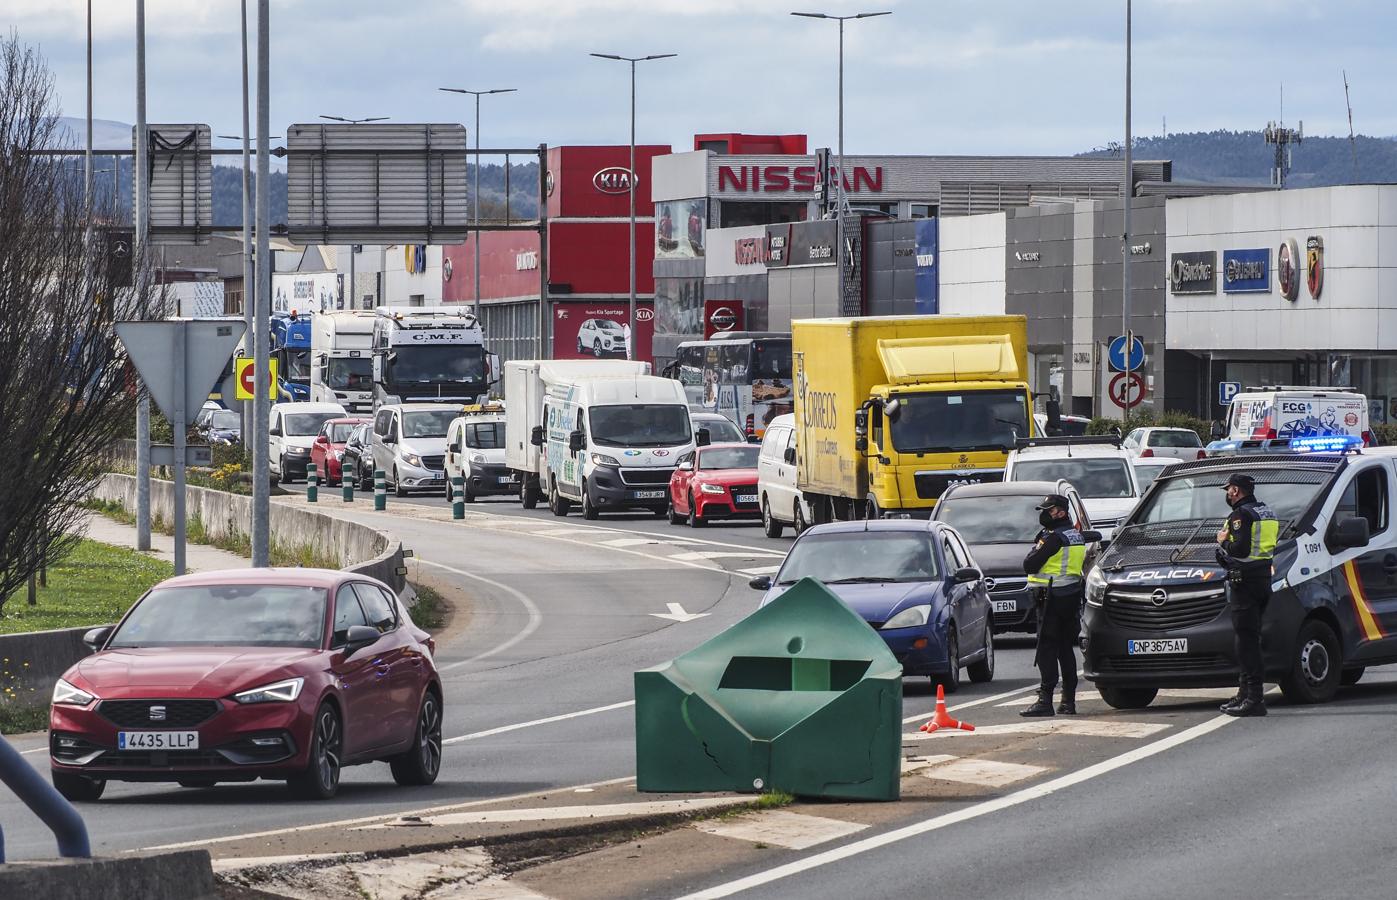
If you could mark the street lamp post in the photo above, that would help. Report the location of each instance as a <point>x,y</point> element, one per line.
<point>839,167</point>
<point>631,178</point>
<point>1125,239</point>
<point>475,195</point>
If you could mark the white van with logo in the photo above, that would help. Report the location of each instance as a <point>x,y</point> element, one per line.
<point>1272,413</point>
<point>611,443</point>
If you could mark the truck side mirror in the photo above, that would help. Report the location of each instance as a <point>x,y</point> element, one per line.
<point>576,441</point>
<point>861,423</point>
<point>703,437</point>
<point>536,436</point>
<point>892,409</point>
<point>378,368</point>
<point>1349,532</point>
<point>861,444</point>
<point>492,367</point>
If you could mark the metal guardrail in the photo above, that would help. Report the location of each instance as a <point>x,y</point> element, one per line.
<point>41,797</point>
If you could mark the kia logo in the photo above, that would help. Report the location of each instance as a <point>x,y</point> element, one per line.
<point>548,182</point>
<point>644,315</point>
<point>723,319</point>
<point>613,180</point>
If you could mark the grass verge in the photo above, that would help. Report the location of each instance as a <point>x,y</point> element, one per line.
<point>93,585</point>
<point>429,611</point>
<point>19,719</point>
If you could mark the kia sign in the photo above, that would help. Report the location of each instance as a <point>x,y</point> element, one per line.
<point>1287,269</point>
<point>612,180</point>
<point>599,330</point>
<point>1193,273</point>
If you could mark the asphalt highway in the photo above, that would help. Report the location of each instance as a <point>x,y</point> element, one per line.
<point>538,678</point>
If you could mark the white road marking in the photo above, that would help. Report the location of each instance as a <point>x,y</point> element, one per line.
<point>1198,695</point>
<point>504,728</point>
<point>637,542</point>
<point>980,772</point>
<point>677,614</point>
<point>1077,727</point>
<point>761,570</point>
<point>535,617</point>
<point>597,811</point>
<point>365,820</point>
<point>980,701</point>
<point>693,555</point>
<point>912,764</point>
<point>233,864</point>
<point>1082,697</point>
<point>562,532</point>
<point>1032,792</point>
<point>781,828</point>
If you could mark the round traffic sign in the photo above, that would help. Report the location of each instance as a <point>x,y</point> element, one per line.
<point>1126,390</point>
<point>248,378</point>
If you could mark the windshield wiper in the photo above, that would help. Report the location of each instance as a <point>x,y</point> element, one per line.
<point>1177,553</point>
<point>861,579</point>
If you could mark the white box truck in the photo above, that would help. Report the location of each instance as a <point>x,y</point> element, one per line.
<point>341,353</point>
<point>525,384</point>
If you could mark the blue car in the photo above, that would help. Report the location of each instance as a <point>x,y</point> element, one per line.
<point>912,580</point>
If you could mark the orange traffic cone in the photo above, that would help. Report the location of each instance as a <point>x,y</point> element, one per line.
<point>941,718</point>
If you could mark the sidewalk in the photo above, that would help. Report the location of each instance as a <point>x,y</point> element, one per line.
<point>197,557</point>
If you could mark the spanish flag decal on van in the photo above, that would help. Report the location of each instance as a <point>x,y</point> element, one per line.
<point>1372,631</point>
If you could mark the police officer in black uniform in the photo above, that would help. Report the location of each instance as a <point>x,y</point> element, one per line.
<point>1246,543</point>
<point>1054,569</point>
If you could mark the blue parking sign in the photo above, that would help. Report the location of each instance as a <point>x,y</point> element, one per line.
<point>1227,390</point>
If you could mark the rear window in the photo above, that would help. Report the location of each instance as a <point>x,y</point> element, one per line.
<point>1095,478</point>
<point>1174,439</point>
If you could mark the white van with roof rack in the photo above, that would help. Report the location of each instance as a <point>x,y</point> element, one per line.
<point>1096,466</point>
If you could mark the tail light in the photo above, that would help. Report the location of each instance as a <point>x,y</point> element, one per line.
<point>751,427</point>
<point>1147,452</point>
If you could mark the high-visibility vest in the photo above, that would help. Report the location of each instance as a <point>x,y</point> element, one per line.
<point>1264,532</point>
<point>1065,566</point>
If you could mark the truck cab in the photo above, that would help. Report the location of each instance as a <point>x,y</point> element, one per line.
<point>1156,603</point>
<point>430,354</point>
<point>291,345</point>
<point>342,359</point>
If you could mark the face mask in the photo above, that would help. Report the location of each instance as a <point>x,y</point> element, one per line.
<point>1045,518</point>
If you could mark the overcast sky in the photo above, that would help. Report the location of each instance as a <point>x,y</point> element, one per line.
<point>937,76</point>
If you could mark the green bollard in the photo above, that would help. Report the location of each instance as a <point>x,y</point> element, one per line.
<point>458,497</point>
<point>347,481</point>
<point>312,483</point>
<point>380,489</point>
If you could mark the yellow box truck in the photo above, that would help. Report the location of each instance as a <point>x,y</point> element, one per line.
<point>891,410</point>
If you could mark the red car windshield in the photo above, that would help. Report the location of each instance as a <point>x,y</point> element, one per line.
<point>239,615</point>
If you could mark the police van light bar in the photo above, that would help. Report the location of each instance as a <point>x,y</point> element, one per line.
<point>1332,443</point>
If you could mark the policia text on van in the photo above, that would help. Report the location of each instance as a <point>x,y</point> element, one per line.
<point>1156,613</point>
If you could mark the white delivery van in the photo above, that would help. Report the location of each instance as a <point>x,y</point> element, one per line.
<point>525,382</point>
<point>1271,413</point>
<point>612,442</point>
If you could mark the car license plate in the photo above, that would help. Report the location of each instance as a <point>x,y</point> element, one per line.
<point>157,740</point>
<point>1005,606</point>
<point>649,495</point>
<point>1161,645</point>
<point>507,479</point>
<point>745,498</point>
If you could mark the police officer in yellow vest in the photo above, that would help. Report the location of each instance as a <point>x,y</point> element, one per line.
<point>1054,570</point>
<point>1246,543</point>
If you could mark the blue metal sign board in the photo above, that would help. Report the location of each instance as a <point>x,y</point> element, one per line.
<point>1246,271</point>
<point>1116,354</point>
<point>1227,390</point>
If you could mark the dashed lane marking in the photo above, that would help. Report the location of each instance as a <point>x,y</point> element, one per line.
<point>639,542</point>
<point>979,772</point>
<point>597,811</point>
<point>559,718</point>
<point>781,828</point>
<point>695,555</point>
<point>760,570</point>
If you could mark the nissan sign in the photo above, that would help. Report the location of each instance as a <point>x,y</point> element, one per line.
<point>723,319</point>
<point>1193,273</point>
<point>613,180</point>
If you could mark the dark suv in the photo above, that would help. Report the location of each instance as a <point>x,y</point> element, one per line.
<point>999,523</point>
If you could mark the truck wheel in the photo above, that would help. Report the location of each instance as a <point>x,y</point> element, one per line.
<point>1127,698</point>
<point>771,526</point>
<point>528,492</point>
<point>557,502</point>
<point>1316,665</point>
<point>1351,676</point>
<point>871,510</point>
<point>800,523</point>
<point>983,670</point>
<point>589,509</point>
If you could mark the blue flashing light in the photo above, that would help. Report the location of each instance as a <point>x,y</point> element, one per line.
<point>1333,443</point>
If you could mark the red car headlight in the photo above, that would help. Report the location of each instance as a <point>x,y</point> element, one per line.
<point>712,488</point>
<point>68,695</point>
<point>280,692</point>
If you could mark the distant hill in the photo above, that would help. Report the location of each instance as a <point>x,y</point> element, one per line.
<point>1245,157</point>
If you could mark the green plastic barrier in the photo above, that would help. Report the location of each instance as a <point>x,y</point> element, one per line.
<point>801,696</point>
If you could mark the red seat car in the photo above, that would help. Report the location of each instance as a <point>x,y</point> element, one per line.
<point>328,449</point>
<point>718,481</point>
<point>250,673</point>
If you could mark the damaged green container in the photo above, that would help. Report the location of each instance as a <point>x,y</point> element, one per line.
<point>801,696</point>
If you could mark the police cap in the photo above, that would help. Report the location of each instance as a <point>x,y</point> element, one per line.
<point>1245,483</point>
<point>1053,500</point>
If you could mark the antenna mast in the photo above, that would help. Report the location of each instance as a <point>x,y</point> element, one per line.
<point>1352,145</point>
<point>1276,133</point>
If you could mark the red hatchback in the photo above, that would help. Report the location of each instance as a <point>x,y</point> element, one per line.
<point>328,449</point>
<point>250,673</point>
<point>715,482</point>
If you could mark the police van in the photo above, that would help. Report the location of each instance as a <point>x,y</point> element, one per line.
<point>1156,609</point>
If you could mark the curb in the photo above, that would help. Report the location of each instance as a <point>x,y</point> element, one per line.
<point>175,875</point>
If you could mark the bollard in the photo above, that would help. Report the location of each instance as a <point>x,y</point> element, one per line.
<point>380,489</point>
<point>347,481</point>
<point>312,483</point>
<point>458,497</point>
